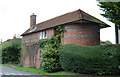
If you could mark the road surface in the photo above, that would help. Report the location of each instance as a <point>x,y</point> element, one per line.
<point>6,71</point>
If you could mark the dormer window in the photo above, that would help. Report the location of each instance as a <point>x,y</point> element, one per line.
<point>33,29</point>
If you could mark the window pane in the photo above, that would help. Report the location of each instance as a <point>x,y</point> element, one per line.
<point>45,34</point>
<point>40,35</point>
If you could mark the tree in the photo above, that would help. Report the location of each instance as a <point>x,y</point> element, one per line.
<point>112,13</point>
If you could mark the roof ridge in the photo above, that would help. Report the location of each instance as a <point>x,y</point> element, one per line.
<point>58,16</point>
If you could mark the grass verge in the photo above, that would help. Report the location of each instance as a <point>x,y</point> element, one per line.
<point>40,71</point>
<point>5,64</point>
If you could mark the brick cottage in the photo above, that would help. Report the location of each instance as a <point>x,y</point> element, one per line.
<point>81,29</point>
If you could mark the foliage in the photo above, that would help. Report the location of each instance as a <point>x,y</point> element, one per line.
<point>50,61</point>
<point>100,60</point>
<point>107,42</point>
<point>112,13</point>
<point>111,10</point>
<point>50,55</point>
<point>50,58</point>
<point>60,31</point>
<point>11,51</point>
<point>55,41</point>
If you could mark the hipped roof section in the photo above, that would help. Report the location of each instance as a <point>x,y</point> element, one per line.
<point>70,17</point>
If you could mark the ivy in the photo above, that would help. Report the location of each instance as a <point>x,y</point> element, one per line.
<point>50,56</point>
<point>54,41</point>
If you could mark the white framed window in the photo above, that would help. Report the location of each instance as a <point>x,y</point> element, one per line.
<point>40,35</point>
<point>45,34</point>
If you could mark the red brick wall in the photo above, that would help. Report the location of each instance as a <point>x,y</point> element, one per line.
<point>31,38</point>
<point>38,61</point>
<point>27,62</point>
<point>30,48</point>
<point>35,37</point>
<point>82,34</point>
<point>50,33</point>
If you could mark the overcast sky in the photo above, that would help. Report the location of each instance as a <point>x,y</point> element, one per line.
<point>15,15</point>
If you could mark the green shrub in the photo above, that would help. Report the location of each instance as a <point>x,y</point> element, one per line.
<point>50,59</point>
<point>99,60</point>
<point>52,41</point>
<point>11,51</point>
<point>50,55</point>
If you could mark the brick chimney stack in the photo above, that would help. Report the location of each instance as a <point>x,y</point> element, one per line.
<point>32,21</point>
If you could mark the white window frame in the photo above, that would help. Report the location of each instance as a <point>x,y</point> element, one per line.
<point>40,35</point>
<point>43,34</point>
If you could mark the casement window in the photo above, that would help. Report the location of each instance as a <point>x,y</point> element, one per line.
<point>40,35</point>
<point>45,34</point>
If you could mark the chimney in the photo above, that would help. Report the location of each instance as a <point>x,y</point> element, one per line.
<point>32,21</point>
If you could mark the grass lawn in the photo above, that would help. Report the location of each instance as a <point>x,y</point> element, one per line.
<point>5,64</point>
<point>43,72</point>
<point>40,71</point>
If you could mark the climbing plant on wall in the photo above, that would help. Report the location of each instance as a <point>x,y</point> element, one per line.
<point>54,41</point>
<point>50,55</point>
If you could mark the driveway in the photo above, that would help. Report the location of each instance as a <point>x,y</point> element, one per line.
<point>6,71</point>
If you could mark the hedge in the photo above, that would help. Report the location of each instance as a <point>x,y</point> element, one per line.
<point>100,60</point>
<point>11,51</point>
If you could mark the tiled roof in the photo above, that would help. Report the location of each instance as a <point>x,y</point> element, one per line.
<point>77,15</point>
